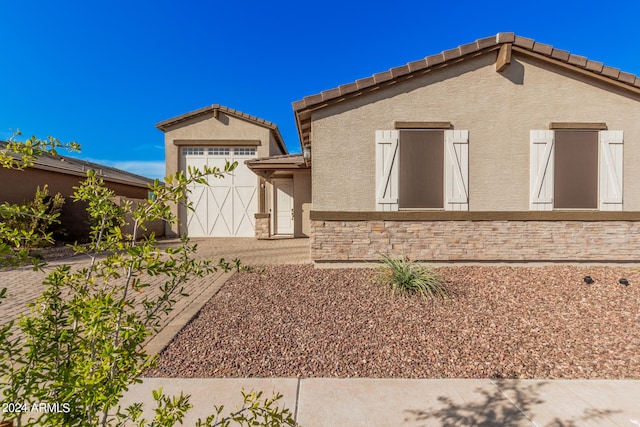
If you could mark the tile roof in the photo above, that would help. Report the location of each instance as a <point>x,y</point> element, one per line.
<point>166,124</point>
<point>77,167</point>
<point>518,43</point>
<point>286,161</point>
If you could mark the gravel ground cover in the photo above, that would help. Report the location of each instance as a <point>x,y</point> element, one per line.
<point>501,322</point>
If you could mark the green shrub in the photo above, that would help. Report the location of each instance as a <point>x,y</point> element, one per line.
<point>406,278</point>
<point>37,218</point>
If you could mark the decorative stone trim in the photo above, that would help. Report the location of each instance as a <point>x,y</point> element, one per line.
<point>263,225</point>
<point>441,215</point>
<point>498,240</point>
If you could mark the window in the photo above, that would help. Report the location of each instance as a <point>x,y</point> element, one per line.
<point>422,169</point>
<point>576,169</point>
<point>218,151</point>
<point>193,151</point>
<point>243,151</point>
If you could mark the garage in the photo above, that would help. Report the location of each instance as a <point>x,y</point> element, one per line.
<point>210,136</point>
<point>226,206</point>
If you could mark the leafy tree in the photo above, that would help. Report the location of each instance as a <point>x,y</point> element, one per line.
<point>15,242</point>
<point>82,344</point>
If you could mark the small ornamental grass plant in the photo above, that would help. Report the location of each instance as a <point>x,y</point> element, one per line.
<point>406,278</point>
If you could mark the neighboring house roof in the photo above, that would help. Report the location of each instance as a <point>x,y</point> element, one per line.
<point>77,167</point>
<point>304,107</point>
<point>214,109</point>
<point>289,161</point>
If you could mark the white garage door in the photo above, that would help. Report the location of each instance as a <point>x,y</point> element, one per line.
<point>225,207</point>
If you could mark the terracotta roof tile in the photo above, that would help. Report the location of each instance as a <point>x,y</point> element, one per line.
<point>451,54</point>
<point>400,71</point>
<point>365,83</point>
<point>594,66</point>
<point>486,42</point>
<point>348,88</point>
<point>331,93</point>
<point>627,78</point>
<point>542,48</point>
<point>314,99</point>
<point>610,71</point>
<point>560,54</point>
<point>382,77</point>
<point>417,65</point>
<point>524,42</point>
<point>434,59</point>
<point>297,105</point>
<point>468,48</point>
<point>505,38</point>
<point>577,60</point>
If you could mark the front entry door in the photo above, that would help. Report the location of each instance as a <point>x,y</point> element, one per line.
<point>283,189</point>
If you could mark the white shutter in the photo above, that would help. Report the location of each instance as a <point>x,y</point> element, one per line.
<point>611,170</point>
<point>387,172</point>
<point>456,170</point>
<point>541,170</point>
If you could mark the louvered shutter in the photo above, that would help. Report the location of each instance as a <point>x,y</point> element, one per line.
<point>541,170</point>
<point>387,170</point>
<point>611,170</point>
<point>456,170</point>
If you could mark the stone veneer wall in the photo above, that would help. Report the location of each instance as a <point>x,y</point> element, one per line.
<point>263,228</point>
<point>476,240</point>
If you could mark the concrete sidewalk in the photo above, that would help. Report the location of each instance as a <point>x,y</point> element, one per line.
<point>320,402</point>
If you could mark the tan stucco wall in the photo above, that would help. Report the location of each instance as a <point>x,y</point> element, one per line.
<point>498,110</point>
<point>208,127</point>
<point>302,203</point>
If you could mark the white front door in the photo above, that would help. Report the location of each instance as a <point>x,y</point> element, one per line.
<point>283,189</point>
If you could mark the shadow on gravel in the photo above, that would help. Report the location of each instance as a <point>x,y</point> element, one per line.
<point>509,404</point>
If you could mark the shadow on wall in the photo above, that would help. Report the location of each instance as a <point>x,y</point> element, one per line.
<point>514,72</point>
<point>510,404</point>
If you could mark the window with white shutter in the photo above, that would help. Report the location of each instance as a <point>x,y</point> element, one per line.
<point>422,169</point>
<point>576,169</point>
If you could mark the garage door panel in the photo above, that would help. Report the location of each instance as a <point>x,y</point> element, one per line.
<point>245,202</point>
<point>195,218</point>
<point>220,211</point>
<point>217,181</point>
<point>195,162</point>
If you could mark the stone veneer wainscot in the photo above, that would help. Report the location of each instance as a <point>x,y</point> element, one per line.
<point>473,240</point>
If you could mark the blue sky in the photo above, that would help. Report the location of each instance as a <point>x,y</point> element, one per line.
<point>104,73</point>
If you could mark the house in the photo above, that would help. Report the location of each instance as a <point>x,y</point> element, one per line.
<point>61,174</point>
<point>504,149</point>
<point>227,207</point>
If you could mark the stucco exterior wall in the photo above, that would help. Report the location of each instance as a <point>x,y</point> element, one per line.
<point>498,110</point>
<point>302,203</point>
